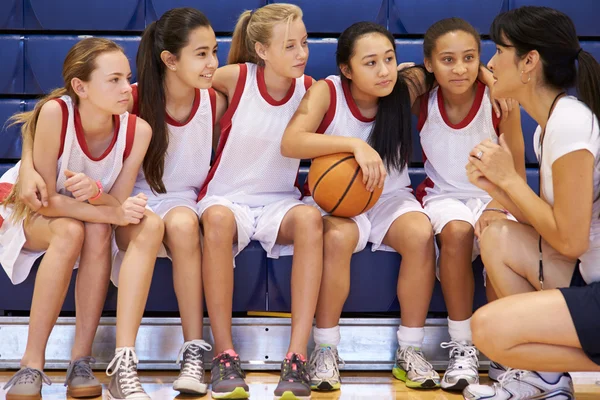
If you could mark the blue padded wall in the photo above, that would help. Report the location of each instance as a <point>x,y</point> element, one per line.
<point>11,67</point>
<point>70,15</point>
<point>10,136</point>
<point>11,14</point>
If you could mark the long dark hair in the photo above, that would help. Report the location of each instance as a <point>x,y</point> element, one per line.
<point>391,136</point>
<point>552,33</point>
<point>171,33</point>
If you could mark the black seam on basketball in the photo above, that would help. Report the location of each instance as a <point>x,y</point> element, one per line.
<point>347,190</point>
<point>368,202</point>
<point>314,191</point>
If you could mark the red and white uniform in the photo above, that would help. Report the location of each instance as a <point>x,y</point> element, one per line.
<point>74,156</point>
<point>249,175</point>
<point>343,118</point>
<point>446,194</point>
<point>187,163</point>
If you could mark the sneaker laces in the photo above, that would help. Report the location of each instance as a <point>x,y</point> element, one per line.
<point>125,363</point>
<point>229,366</point>
<point>80,368</point>
<point>27,375</point>
<point>324,359</point>
<point>192,358</point>
<point>511,375</point>
<point>294,370</point>
<point>461,355</point>
<point>414,357</point>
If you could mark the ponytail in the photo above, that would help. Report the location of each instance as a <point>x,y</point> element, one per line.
<point>588,81</point>
<point>152,106</point>
<point>240,52</point>
<point>392,133</point>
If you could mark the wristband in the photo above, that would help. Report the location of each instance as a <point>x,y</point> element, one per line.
<point>100,191</point>
<point>505,212</point>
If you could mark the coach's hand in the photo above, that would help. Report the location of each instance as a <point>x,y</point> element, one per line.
<point>486,219</point>
<point>33,192</point>
<point>495,161</point>
<point>371,165</point>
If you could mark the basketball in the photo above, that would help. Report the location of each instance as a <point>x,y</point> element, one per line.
<point>336,184</point>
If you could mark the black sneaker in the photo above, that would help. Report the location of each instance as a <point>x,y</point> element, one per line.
<point>294,383</point>
<point>227,377</point>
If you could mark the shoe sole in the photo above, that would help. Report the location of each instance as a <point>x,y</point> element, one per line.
<point>24,396</point>
<point>458,386</point>
<point>291,396</point>
<point>238,393</point>
<point>83,392</point>
<point>190,387</point>
<point>326,386</point>
<point>400,374</point>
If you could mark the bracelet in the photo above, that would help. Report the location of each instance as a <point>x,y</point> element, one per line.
<point>505,212</point>
<point>100,191</point>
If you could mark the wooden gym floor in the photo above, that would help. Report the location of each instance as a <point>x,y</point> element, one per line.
<point>356,385</point>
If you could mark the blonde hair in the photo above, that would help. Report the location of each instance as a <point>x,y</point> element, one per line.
<point>79,63</point>
<point>257,27</point>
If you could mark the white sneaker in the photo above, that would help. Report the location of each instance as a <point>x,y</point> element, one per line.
<point>517,384</point>
<point>412,368</point>
<point>495,371</point>
<point>323,368</point>
<point>191,377</point>
<point>462,367</point>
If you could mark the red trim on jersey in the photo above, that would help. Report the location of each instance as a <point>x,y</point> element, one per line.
<point>195,106</point>
<point>131,122</point>
<point>421,189</point>
<point>352,104</point>
<point>330,114</point>
<point>65,122</point>
<point>213,104</point>
<point>496,122</point>
<point>136,102</point>
<point>472,112</point>
<point>308,81</point>
<point>226,123</point>
<point>81,137</point>
<point>5,189</point>
<point>423,109</point>
<point>262,88</point>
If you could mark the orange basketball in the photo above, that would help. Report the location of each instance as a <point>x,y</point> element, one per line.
<point>336,184</point>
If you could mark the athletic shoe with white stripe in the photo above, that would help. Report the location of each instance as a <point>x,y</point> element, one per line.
<point>462,367</point>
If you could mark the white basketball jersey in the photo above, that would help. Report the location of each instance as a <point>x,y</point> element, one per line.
<point>189,153</point>
<point>446,146</point>
<point>76,157</point>
<point>249,168</point>
<point>344,119</point>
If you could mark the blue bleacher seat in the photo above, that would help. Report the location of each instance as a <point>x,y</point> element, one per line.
<point>10,137</point>
<point>11,67</point>
<point>416,16</point>
<point>11,14</point>
<point>224,46</point>
<point>584,13</point>
<point>592,47</point>
<point>333,16</point>
<point>106,15</point>
<point>44,56</point>
<point>321,58</point>
<point>222,14</point>
<point>5,167</point>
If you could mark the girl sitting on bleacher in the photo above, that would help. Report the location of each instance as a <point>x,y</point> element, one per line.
<point>83,146</point>
<point>538,58</point>
<point>453,117</point>
<point>176,61</point>
<point>250,192</point>
<point>366,111</point>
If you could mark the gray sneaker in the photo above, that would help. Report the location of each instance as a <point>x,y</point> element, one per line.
<point>81,381</point>
<point>294,383</point>
<point>227,377</point>
<point>125,383</point>
<point>26,384</point>
<point>191,377</point>
<point>323,368</point>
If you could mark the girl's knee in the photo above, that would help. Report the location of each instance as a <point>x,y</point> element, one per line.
<point>309,219</point>
<point>69,232</point>
<point>151,229</point>
<point>183,226</point>
<point>218,223</point>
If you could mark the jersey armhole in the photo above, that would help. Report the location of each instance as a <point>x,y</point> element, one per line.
<point>496,121</point>
<point>308,81</point>
<point>63,129</point>
<point>131,123</point>
<point>424,100</point>
<point>328,118</point>
<point>213,104</point>
<point>237,95</point>
<point>134,93</point>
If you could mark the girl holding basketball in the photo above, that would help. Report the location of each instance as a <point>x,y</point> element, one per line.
<point>366,111</point>
<point>84,147</point>
<point>453,117</point>
<point>546,271</point>
<point>264,83</point>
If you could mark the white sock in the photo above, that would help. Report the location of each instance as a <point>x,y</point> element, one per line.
<point>460,331</point>
<point>410,336</point>
<point>550,377</point>
<point>327,336</point>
